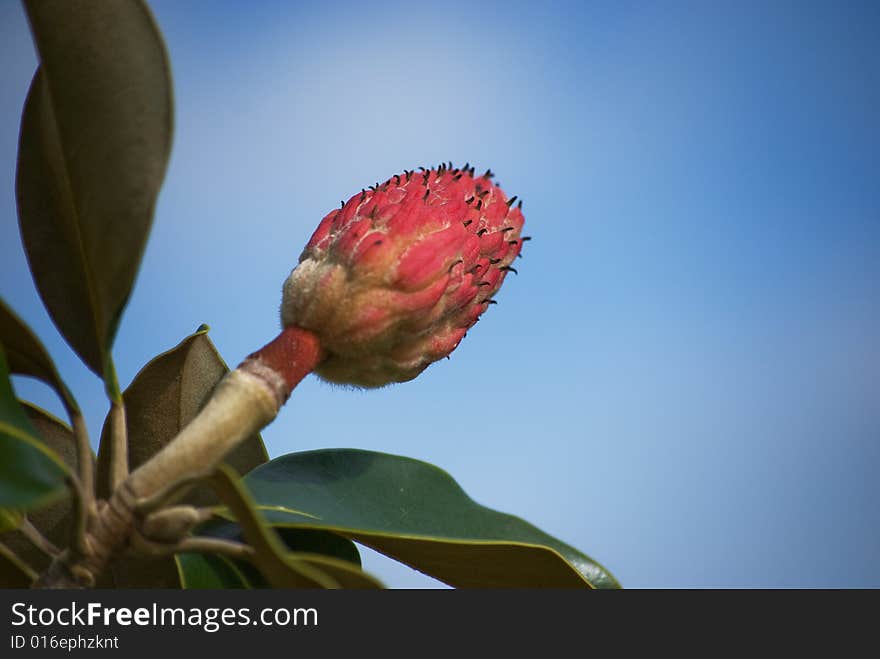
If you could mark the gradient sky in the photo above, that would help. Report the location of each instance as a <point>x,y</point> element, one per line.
<point>683,380</point>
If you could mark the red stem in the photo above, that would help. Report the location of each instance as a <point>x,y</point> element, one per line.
<point>292,355</point>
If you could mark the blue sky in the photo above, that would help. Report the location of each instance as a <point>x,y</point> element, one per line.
<point>684,379</point>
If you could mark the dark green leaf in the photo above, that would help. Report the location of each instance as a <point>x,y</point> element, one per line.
<point>310,545</point>
<point>270,554</point>
<point>311,541</point>
<point>27,356</point>
<point>53,520</point>
<point>94,144</point>
<point>209,571</point>
<point>346,575</point>
<point>417,514</point>
<point>165,396</point>
<point>9,519</point>
<point>31,475</point>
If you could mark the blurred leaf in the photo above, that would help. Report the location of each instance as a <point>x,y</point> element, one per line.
<point>94,144</point>
<point>417,514</point>
<point>165,396</point>
<point>9,519</point>
<point>270,554</point>
<point>27,356</point>
<point>13,572</point>
<point>53,520</point>
<point>31,475</point>
<point>209,571</point>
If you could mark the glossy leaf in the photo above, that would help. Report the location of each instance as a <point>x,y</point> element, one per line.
<point>280,569</point>
<point>346,575</point>
<point>209,571</point>
<point>163,397</point>
<point>311,541</point>
<point>31,474</point>
<point>27,356</point>
<point>417,514</point>
<point>94,144</point>
<point>328,552</point>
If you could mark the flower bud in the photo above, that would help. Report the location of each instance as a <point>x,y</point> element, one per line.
<point>391,281</point>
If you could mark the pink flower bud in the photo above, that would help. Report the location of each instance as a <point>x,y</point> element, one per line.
<point>391,281</point>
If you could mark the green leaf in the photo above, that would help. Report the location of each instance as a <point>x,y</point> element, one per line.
<point>209,571</point>
<point>55,433</point>
<point>417,514</point>
<point>9,519</point>
<point>311,541</point>
<point>53,520</point>
<point>328,552</point>
<point>93,148</point>
<point>31,475</point>
<point>280,569</point>
<point>164,397</point>
<point>27,356</point>
<point>346,575</point>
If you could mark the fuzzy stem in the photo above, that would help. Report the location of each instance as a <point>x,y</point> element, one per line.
<point>169,493</point>
<point>245,401</point>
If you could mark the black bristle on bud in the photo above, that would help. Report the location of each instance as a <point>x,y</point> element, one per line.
<point>494,261</point>
<point>482,231</point>
<point>479,204</point>
<point>526,238</point>
<point>427,192</point>
<point>363,194</point>
<point>469,200</point>
<point>510,201</point>
<point>519,204</point>
<point>467,222</point>
<point>489,173</point>
<point>507,268</point>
